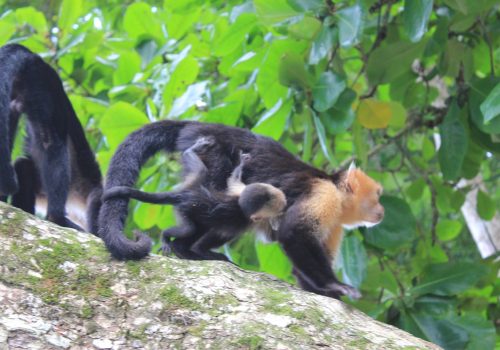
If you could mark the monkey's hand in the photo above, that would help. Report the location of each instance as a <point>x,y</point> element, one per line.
<point>203,142</point>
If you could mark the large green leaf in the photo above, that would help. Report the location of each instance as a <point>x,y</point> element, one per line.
<point>350,25</point>
<point>119,121</point>
<point>292,71</point>
<point>389,62</point>
<point>415,16</point>
<point>481,331</point>
<point>272,123</point>
<point>485,206</point>
<point>398,227</point>
<point>192,95</point>
<point>272,12</point>
<point>323,141</point>
<point>480,89</point>
<point>139,21</point>
<point>273,260</point>
<point>470,7</point>
<point>491,106</point>
<point>453,143</point>
<point>69,13</point>
<point>327,90</point>
<point>448,229</point>
<point>354,260</point>
<point>449,278</point>
<point>323,44</point>
<point>439,331</point>
<point>235,34</point>
<point>307,5</point>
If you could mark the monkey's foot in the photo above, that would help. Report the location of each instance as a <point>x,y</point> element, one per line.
<point>8,181</point>
<point>338,289</point>
<point>64,222</point>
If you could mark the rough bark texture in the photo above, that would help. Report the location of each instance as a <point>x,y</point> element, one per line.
<point>60,289</point>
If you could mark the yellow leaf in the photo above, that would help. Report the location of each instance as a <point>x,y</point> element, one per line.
<point>374,114</point>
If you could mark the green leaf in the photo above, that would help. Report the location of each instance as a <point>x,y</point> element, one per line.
<point>374,114</point>
<point>439,331</point>
<point>119,121</point>
<point>354,260</point>
<point>273,260</point>
<point>323,44</point>
<point>320,131</point>
<point>272,12</point>
<point>485,206</point>
<point>388,62</point>
<point>481,331</point>
<point>398,227</point>
<point>307,5</point>
<point>188,99</point>
<point>272,123</point>
<point>307,28</point>
<point>184,74</point>
<point>454,141</point>
<point>479,90</point>
<point>415,17</point>
<point>327,90</point>
<point>235,34</point>
<point>292,71</point>
<point>349,23</point>
<point>139,20</point>
<point>129,64</point>
<point>450,278</point>
<point>69,13</point>
<point>448,229</point>
<point>341,116</point>
<point>491,106</point>
<point>470,7</point>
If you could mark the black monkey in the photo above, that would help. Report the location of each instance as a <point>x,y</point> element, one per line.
<point>59,168</point>
<point>210,218</point>
<point>313,197</point>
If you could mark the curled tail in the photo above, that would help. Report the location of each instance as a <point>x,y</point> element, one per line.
<point>123,171</point>
<point>155,198</point>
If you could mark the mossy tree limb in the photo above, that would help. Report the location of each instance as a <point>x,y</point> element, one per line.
<point>60,289</point>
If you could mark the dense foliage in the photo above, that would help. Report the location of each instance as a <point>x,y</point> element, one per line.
<point>410,89</point>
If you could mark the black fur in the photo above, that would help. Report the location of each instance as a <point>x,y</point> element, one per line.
<point>58,157</point>
<point>212,216</point>
<point>270,163</point>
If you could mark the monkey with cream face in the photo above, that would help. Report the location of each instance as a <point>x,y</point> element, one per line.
<point>210,217</point>
<point>318,204</point>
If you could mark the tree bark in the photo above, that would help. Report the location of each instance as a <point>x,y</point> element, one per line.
<point>60,289</point>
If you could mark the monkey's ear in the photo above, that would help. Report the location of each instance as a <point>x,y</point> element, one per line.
<point>352,167</point>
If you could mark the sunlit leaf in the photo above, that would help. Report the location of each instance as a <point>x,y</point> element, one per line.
<point>491,106</point>
<point>448,229</point>
<point>415,16</point>
<point>485,206</point>
<point>327,90</point>
<point>350,23</point>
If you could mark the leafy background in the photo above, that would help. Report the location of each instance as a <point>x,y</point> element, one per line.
<point>410,89</point>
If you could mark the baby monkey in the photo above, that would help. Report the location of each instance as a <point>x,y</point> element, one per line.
<point>210,218</point>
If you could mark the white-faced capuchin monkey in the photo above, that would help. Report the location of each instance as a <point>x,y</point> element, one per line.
<point>209,217</point>
<point>59,169</point>
<point>317,203</point>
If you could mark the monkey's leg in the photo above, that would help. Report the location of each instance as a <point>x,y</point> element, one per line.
<point>55,175</point>
<point>8,126</point>
<point>187,229</point>
<point>195,170</point>
<point>27,176</point>
<point>181,247</point>
<point>93,206</point>
<point>208,241</point>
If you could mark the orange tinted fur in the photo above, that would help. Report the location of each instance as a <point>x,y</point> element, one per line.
<point>354,202</point>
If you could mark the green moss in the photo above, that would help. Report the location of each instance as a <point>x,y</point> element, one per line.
<point>298,330</point>
<point>173,297</point>
<point>134,267</point>
<point>197,330</point>
<point>358,343</point>
<point>250,342</point>
<point>87,311</point>
<point>138,333</point>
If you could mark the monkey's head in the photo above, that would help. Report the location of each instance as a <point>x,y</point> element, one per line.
<point>361,206</point>
<point>260,201</point>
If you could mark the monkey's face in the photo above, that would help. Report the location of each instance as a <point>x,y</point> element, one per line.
<point>362,204</point>
<point>262,202</point>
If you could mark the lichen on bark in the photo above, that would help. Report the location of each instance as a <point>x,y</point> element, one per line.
<point>59,289</point>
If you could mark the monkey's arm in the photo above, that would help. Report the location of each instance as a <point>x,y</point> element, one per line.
<point>310,260</point>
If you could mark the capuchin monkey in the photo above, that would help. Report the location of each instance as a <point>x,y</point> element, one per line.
<point>210,218</point>
<point>59,169</point>
<point>309,232</point>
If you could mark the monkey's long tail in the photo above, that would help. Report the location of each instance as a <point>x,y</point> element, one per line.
<point>155,198</point>
<point>123,171</point>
